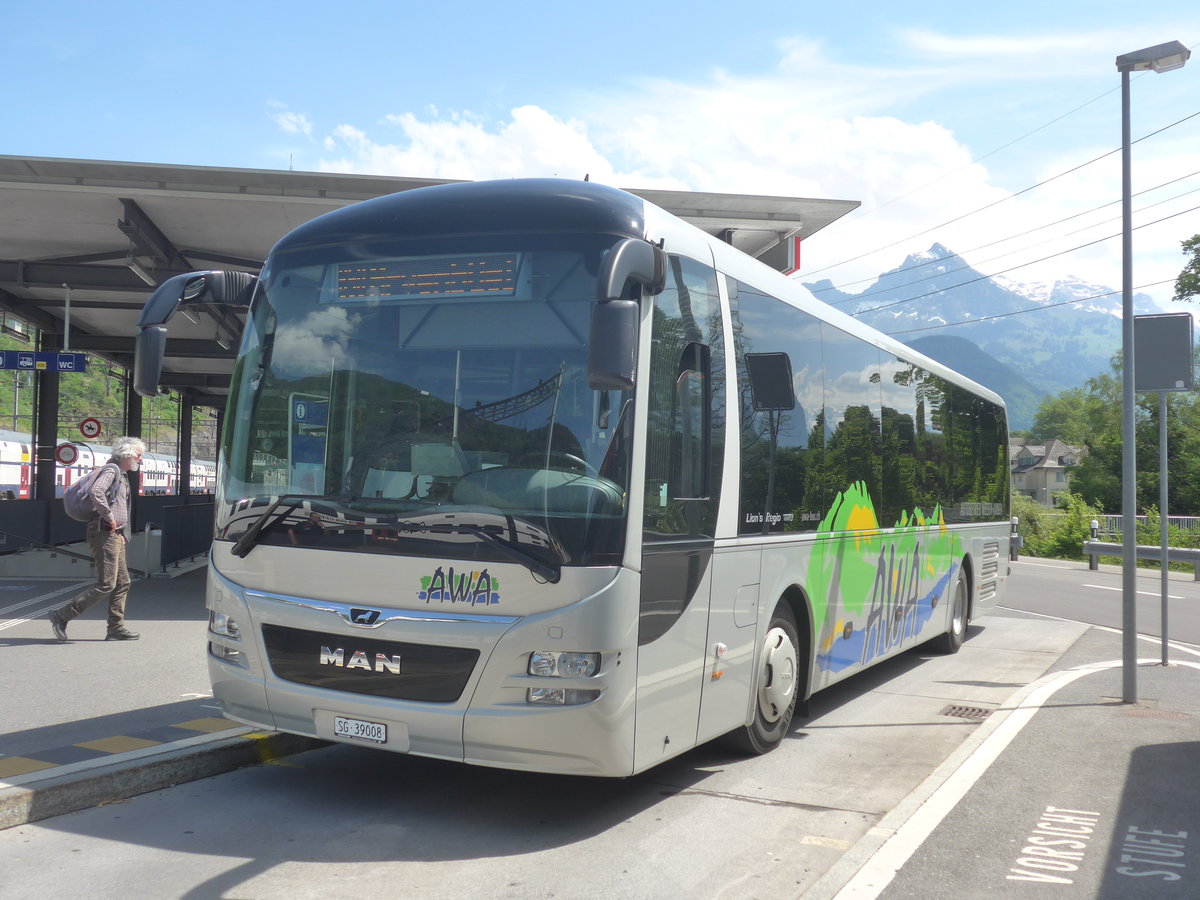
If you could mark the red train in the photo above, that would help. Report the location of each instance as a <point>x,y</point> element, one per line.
<point>159,472</point>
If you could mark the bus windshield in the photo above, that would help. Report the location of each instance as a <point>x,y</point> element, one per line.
<point>427,398</point>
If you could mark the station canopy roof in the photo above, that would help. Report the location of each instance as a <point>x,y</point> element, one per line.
<point>110,231</point>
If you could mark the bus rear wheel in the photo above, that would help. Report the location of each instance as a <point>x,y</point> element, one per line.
<point>777,685</point>
<point>959,616</point>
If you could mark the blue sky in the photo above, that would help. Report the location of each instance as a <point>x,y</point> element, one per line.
<point>925,112</point>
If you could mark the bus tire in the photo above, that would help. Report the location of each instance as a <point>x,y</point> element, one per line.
<point>776,687</point>
<point>959,616</point>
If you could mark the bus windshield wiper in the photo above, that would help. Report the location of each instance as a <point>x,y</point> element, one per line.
<point>535,565</point>
<point>250,536</point>
<point>546,571</point>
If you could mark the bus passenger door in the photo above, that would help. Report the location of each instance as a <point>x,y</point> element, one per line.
<point>676,585</point>
<point>679,513</point>
<point>728,678</point>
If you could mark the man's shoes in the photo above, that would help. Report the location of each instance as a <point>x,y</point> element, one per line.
<point>59,626</point>
<point>122,634</point>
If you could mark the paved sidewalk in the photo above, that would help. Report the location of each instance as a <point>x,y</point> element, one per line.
<point>93,720</point>
<point>1071,791</point>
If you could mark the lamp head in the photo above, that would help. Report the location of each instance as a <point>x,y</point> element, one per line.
<point>1159,58</point>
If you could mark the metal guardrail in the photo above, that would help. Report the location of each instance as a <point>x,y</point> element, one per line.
<point>1095,549</point>
<point>1111,523</point>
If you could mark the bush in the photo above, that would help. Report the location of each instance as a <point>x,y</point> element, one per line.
<point>1149,534</point>
<point>1057,533</point>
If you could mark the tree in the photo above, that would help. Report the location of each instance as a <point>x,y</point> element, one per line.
<point>1069,416</point>
<point>1187,285</point>
<point>1091,417</point>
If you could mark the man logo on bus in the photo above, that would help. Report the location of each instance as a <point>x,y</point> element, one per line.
<point>473,588</point>
<point>360,659</point>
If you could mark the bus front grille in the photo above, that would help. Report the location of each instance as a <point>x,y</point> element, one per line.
<point>340,662</point>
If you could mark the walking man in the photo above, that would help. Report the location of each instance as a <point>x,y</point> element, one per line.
<point>107,534</point>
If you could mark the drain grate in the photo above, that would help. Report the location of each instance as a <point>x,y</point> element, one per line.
<point>966,712</point>
<point>1156,714</point>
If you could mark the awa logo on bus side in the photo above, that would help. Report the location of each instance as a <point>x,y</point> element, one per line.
<point>472,588</point>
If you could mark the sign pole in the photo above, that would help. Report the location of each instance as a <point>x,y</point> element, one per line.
<point>1162,511</point>
<point>67,321</point>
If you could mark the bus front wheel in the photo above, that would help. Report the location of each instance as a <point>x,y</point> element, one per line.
<point>777,684</point>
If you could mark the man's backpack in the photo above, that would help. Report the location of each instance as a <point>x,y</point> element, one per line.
<point>77,499</point>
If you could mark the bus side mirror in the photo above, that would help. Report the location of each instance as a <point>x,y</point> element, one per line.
<point>612,345</point>
<point>612,342</point>
<point>215,287</point>
<point>149,350</point>
<point>631,258</point>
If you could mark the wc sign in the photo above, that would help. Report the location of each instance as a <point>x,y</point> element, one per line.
<point>37,361</point>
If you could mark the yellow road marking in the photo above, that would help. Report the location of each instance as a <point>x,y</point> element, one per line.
<point>209,725</point>
<point>814,840</point>
<point>118,744</point>
<point>20,765</point>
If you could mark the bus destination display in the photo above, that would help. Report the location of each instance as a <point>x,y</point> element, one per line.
<point>423,279</point>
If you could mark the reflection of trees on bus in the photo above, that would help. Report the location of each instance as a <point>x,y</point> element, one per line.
<point>912,439</point>
<point>686,415</point>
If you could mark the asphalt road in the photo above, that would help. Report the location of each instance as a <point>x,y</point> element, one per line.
<point>1070,590</point>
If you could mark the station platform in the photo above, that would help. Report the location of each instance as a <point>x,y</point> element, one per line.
<point>91,720</point>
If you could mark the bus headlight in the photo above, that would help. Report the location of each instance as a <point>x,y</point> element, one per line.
<point>224,625</point>
<point>229,655</point>
<point>555,664</point>
<point>560,664</point>
<point>559,696</point>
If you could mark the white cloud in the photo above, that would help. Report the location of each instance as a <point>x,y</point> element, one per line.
<point>817,128</point>
<point>533,143</point>
<point>929,44</point>
<point>314,344</point>
<point>290,122</point>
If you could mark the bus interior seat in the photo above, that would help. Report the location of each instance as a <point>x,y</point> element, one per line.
<point>439,460</point>
<point>390,484</point>
<point>515,488</point>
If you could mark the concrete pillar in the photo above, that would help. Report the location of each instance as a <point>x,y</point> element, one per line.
<point>45,419</point>
<point>133,428</point>
<point>185,444</point>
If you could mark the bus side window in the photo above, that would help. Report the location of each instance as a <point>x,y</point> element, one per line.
<point>684,434</point>
<point>692,416</point>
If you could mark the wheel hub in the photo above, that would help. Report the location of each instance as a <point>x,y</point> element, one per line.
<point>777,681</point>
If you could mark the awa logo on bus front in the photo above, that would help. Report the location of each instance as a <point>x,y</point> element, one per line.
<point>472,588</point>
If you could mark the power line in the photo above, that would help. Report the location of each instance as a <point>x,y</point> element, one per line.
<point>864,213</point>
<point>967,265</point>
<point>980,159</point>
<point>1015,236</point>
<point>1004,199</point>
<point>1021,312</point>
<point>1021,266</point>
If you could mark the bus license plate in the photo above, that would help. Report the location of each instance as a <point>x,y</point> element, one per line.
<point>376,732</point>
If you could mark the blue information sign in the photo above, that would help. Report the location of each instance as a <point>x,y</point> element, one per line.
<point>36,361</point>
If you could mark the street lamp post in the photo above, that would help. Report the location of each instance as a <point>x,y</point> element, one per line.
<point>1160,58</point>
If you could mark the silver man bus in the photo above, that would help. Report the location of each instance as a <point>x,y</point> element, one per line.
<point>533,474</point>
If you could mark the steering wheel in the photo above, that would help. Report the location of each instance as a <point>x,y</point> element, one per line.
<point>572,462</point>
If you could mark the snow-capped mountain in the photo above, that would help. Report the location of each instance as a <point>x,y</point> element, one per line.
<point>1072,338</point>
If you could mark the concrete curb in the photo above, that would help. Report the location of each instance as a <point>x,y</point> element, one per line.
<point>66,789</point>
